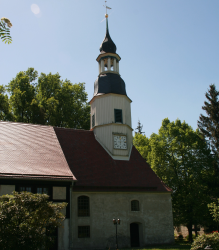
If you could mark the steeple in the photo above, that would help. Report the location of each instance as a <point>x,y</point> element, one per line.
<point>107,46</point>
<point>110,105</point>
<point>109,79</point>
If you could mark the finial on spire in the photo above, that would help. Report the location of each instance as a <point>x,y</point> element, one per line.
<point>105,6</point>
<point>107,46</point>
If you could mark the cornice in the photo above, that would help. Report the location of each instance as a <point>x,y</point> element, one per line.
<point>108,55</point>
<point>104,95</point>
<point>109,71</point>
<point>113,123</point>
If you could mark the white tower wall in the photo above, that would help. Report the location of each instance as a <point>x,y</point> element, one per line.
<point>103,108</point>
<point>105,128</point>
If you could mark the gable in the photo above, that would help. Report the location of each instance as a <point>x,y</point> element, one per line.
<point>94,168</point>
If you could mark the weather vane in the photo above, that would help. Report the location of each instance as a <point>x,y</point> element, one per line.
<point>105,6</point>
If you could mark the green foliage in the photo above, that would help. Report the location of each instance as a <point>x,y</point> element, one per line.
<point>181,158</point>
<point>22,95</point>
<point>214,210</point>
<point>209,127</point>
<point>65,104</point>
<point>28,221</point>
<point>142,144</point>
<point>193,237</point>
<point>47,100</point>
<point>5,26</point>
<point>139,128</point>
<point>205,240</point>
<point>4,105</point>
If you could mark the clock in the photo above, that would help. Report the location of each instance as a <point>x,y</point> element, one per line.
<point>120,142</point>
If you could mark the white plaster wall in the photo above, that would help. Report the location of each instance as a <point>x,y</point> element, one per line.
<point>154,217</point>
<point>59,193</point>
<point>103,108</point>
<point>63,235</point>
<point>105,135</point>
<point>6,189</point>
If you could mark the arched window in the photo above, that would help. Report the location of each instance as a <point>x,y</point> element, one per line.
<point>83,206</point>
<point>134,205</point>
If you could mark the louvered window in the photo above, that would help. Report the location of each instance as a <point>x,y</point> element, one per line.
<point>93,120</point>
<point>83,206</point>
<point>118,115</point>
<point>135,205</point>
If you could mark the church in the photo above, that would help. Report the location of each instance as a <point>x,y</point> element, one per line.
<point>108,186</point>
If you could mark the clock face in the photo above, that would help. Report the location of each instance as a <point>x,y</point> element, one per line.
<point>120,142</point>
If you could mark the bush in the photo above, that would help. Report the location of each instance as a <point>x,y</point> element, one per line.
<point>193,237</point>
<point>28,221</point>
<point>180,237</point>
<point>205,240</point>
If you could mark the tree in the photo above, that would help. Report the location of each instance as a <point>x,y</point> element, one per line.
<point>5,26</point>
<point>214,210</point>
<point>209,127</point>
<point>180,157</point>
<point>139,128</point>
<point>48,100</point>
<point>4,105</point>
<point>65,104</point>
<point>23,95</point>
<point>142,144</point>
<point>28,221</point>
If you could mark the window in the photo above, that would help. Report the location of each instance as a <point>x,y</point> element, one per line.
<point>118,115</point>
<point>134,205</point>
<point>27,189</point>
<point>84,232</point>
<point>42,190</point>
<point>93,120</point>
<point>83,206</point>
<point>35,189</point>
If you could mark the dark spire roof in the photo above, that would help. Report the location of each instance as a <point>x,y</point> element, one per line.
<point>109,83</point>
<point>107,45</point>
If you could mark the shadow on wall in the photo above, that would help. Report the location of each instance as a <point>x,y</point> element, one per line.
<point>123,241</point>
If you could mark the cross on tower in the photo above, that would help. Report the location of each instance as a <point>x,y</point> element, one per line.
<point>105,6</point>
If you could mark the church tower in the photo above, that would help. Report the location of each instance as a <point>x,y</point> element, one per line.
<point>110,105</point>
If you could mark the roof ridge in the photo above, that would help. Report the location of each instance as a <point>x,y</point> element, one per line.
<point>25,123</point>
<point>76,129</point>
<point>40,125</point>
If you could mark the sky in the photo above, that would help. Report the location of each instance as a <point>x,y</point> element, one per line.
<point>168,48</point>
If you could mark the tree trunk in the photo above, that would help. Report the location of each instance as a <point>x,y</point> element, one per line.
<point>189,226</point>
<point>196,231</point>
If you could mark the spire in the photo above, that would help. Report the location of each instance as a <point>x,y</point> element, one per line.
<point>107,46</point>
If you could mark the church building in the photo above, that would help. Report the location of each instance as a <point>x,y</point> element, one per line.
<point>105,181</point>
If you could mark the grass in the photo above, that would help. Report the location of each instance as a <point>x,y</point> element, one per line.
<point>178,245</point>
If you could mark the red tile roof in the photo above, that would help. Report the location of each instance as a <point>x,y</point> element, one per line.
<point>94,168</point>
<point>44,152</point>
<point>31,151</point>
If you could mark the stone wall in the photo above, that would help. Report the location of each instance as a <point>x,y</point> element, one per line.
<point>154,218</point>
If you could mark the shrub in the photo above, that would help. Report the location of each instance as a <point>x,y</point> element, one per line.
<point>205,240</point>
<point>193,237</point>
<point>28,221</point>
<point>180,237</point>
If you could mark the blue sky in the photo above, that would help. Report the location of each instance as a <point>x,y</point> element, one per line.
<point>169,49</point>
